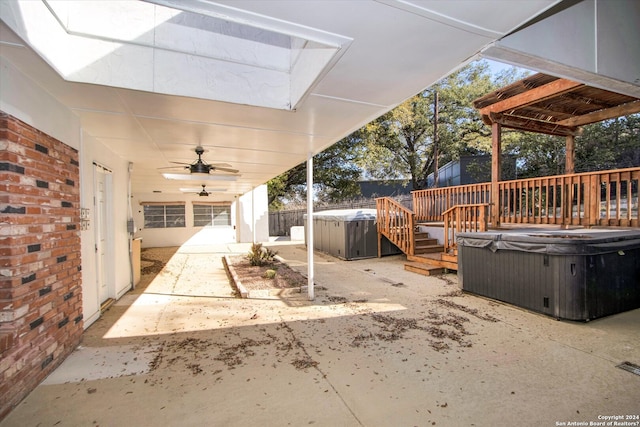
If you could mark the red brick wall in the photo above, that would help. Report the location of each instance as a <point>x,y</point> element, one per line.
<point>40,279</point>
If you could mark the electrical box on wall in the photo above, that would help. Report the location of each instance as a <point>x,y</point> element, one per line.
<point>131,227</point>
<point>84,219</point>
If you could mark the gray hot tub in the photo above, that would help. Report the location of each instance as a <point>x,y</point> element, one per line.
<point>349,234</point>
<point>567,274</point>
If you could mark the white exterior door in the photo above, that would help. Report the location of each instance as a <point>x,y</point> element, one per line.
<point>102,178</point>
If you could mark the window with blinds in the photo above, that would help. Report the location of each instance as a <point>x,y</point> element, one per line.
<point>163,216</point>
<point>204,215</point>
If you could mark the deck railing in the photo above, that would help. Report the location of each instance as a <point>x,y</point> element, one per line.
<point>395,222</point>
<point>604,198</point>
<point>429,205</point>
<point>464,218</point>
<point>588,199</point>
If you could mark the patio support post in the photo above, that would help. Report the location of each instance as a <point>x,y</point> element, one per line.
<point>496,151</point>
<point>569,162</point>
<point>310,243</point>
<point>253,215</point>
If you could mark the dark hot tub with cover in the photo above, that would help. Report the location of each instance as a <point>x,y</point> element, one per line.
<point>568,274</point>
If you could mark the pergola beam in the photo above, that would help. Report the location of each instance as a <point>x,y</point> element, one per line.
<point>598,116</point>
<point>532,125</point>
<point>532,96</point>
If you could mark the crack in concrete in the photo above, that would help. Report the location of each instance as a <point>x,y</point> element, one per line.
<point>315,366</point>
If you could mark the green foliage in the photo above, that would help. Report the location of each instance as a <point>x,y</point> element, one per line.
<point>538,154</point>
<point>611,144</point>
<point>259,255</point>
<point>335,175</point>
<point>400,144</point>
<point>270,274</point>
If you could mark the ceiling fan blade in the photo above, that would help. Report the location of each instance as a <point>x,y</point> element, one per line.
<point>220,165</point>
<point>213,168</point>
<point>175,167</point>
<point>181,163</point>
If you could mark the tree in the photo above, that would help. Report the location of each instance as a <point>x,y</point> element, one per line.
<point>400,143</point>
<point>537,154</point>
<point>610,144</point>
<point>335,175</point>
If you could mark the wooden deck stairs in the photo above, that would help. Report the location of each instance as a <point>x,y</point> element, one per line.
<point>424,254</point>
<point>429,258</point>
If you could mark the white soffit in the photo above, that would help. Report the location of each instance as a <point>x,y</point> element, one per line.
<point>493,21</point>
<point>187,48</point>
<point>199,177</point>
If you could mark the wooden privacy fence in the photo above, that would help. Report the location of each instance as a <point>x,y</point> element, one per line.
<point>280,222</point>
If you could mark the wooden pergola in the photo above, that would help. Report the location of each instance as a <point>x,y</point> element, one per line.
<point>550,105</point>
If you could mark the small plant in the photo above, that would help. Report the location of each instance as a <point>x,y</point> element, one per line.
<point>270,274</point>
<point>259,256</point>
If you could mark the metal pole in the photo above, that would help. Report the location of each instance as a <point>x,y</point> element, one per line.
<point>310,227</point>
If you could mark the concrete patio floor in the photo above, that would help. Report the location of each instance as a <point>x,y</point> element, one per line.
<point>378,347</point>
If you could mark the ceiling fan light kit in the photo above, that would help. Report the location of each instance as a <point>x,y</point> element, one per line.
<point>201,168</point>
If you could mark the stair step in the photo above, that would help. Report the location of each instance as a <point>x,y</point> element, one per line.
<point>425,249</point>
<point>424,269</point>
<point>434,259</point>
<point>425,241</point>
<point>450,258</point>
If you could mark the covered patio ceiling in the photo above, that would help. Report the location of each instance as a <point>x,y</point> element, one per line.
<point>260,85</point>
<point>552,105</point>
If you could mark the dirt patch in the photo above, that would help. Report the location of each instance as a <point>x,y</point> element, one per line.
<point>256,277</point>
<point>153,260</point>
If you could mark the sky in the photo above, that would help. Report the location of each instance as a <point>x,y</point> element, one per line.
<point>496,67</point>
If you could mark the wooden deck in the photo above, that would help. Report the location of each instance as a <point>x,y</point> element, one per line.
<point>596,199</point>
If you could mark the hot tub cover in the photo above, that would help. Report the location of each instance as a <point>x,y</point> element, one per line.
<point>556,242</point>
<point>345,214</point>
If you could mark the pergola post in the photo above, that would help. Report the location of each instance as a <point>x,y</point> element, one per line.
<point>569,162</point>
<point>496,150</point>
